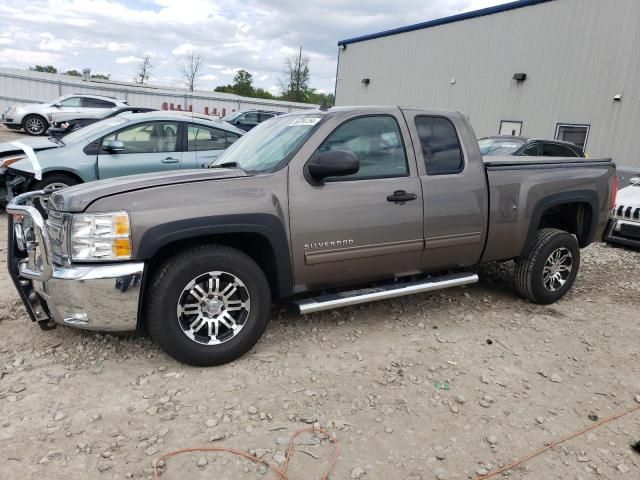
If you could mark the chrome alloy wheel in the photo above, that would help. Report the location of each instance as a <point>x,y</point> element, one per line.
<point>557,269</point>
<point>48,190</point>
<point>213,308</point>
<point>34,125</point>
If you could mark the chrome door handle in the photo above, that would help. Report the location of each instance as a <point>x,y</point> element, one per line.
<point>170,160</point>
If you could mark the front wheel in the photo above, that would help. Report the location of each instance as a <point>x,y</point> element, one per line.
<point>547,273</point>
<point>208,305</point>
<point>51,183</point>
<point>35,125</point>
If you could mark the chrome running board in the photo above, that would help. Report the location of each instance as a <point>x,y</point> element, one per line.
<point>365,295</point>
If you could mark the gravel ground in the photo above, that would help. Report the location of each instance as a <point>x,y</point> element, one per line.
<point>440,386</point>
<point>7,135</point>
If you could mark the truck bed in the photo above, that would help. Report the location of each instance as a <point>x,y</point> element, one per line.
<point>523,194</point>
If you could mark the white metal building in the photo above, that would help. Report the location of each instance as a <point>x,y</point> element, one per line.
<point>566,69</point>
<point>24,86</point>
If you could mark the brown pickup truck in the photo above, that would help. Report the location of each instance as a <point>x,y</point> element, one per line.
<point>328,209</point>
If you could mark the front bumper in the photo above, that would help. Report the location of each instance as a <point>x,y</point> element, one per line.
<point>623,232</point>
<point>103,297</point>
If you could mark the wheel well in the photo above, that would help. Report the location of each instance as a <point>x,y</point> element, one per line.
<point>254,245</point>
<point>574,217</point>
<point>35,115</point>
<point>31,181</point>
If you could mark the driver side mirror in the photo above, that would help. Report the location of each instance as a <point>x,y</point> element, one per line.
<point>57,105</point>
<point>113,146</point>
<point>334,163</point>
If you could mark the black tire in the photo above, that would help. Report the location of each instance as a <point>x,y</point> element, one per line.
<point>35,125</point>
<point>166,289</point>
<point>54,181</point>
<point>530,270</point>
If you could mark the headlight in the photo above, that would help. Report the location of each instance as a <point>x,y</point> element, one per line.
<point>5,162</point>
<point>100,237</point>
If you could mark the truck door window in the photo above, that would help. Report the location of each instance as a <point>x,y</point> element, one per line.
<point>376,141</point>
<point>440,145</point>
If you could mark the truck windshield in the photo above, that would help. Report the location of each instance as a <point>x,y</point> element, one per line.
<point>499,146</point>
<point>270,144</point>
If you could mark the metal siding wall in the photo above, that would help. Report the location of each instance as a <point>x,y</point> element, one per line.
<point>577,55</point>
<point>20,86</point>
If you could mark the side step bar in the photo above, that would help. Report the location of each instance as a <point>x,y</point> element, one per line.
<point>355,297</point>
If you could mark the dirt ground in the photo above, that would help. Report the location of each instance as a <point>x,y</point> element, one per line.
<point>441,386</point>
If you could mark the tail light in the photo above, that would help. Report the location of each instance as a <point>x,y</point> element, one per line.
<point>614,192</point>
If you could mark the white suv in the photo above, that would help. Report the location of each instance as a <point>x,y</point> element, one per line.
<point>35,118</point>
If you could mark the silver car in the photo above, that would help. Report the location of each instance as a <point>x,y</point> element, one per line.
<point>35,118</point>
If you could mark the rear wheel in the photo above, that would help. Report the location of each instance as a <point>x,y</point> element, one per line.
<point>208,305</point>
<point>34,125</point>
<point>547,273</point>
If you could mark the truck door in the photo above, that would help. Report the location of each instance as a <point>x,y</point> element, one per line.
<point>454,189</point>
<point>364,226</point>
<point>148,147</point>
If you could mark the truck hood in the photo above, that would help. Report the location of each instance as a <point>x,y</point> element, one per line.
<point>79,197</point>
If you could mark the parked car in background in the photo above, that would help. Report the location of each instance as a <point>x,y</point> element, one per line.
<point>310,207</point>
<point>247,119</point>
<point>626,174</point>
<point>35,118</point>
<point>117,146</point>
<point>75,121</point>
<point>624,227</point>
<point>530,147</point>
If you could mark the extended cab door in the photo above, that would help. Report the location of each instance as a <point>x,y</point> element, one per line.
<point>148,147</point>
<point>454,188</point>
<point>355,228</point>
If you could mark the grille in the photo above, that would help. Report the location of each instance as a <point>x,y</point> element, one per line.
<point>626,211</point>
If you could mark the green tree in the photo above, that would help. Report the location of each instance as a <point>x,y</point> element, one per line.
<point>243,83</point>
<point>73,73</point>
<point>295,82</point>
<point>224,89</point>
<point>44,68</point>
<point>101,76</point>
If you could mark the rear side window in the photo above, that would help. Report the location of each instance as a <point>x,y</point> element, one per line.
<point>97,103</point>
<point>556,150</point>
<point>440,145</point>
<point>201,138</point>
<point>376,141</point>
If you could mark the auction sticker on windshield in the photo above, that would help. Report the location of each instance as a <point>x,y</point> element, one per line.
<point>304,122</point>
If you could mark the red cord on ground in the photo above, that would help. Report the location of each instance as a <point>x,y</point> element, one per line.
<point>558,442</point>
<point>281,473</point>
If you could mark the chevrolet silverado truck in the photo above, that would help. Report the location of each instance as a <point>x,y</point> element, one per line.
<point>326,209</point>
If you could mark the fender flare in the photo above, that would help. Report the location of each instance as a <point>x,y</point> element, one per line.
<point>267,225</point>
<point>577,196</point>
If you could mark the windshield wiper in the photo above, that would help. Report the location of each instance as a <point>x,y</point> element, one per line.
<point>226,165</point>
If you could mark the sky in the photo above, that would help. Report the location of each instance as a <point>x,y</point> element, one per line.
<point>112,36</point>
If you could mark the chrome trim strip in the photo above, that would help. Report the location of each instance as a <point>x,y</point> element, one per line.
<point>452,240</point>
<point>353,253</point>
<point>96,272</point>
<point>312,305</point>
